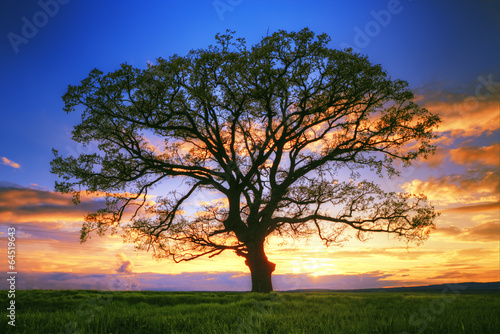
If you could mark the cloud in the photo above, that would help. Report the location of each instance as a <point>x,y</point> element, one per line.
<point>474,186</point>
<point>485,232</point>
<point>468,155</point>
<point>465,155</point>
<point>393,253</point>
<point>450,230</point>
<point>474,208</point>
<point>62,281</point>
<point>474,253</point>
<point>489,231</point>
<point>470,276</point>
<point>463,114</point>
<point>18,204</point>
<point>125,266</point>
<point>48,234</point>
<point>125,278</point>
<point>338,282</point>
<point>5,161</point>
<point>199,281</point>
<point>438,158</point>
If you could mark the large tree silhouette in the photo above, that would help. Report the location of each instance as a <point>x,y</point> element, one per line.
<point>282,132</point>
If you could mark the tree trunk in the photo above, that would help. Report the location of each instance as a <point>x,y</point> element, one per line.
<point>260,268</point>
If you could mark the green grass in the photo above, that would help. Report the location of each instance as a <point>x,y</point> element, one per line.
<point>76,311</point>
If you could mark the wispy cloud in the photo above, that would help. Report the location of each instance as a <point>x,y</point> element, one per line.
<point>462,114</point>
<point>469,276</point>
<point>474,186</point>
<point>489,231</point>
<point>470,155</point>
<point>200,281</point>
<point>485,232</point>
<point>18,204</point>
<point>474,208</point>
<point>388,253</point>
<point>5,161</point>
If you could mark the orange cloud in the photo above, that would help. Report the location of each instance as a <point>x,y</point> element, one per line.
<point>465,115</point>
<point>475,208</point>
<point>474,276</point>
<point>486,155</point>
<point>481,185</point>
<point>222,202</point>
<point>25,205</point>
<point>449,231</point>
<point>489,231</point>
<point>438,158</point>
<point>9,163</point>
<point>18,204</point>
<point>485,232</point>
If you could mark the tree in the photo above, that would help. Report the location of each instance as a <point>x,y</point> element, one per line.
<point>281,131</point>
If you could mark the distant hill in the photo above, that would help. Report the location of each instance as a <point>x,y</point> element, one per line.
<point>469,287</point>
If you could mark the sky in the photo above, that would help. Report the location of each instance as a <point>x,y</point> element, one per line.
<point>448,52</point>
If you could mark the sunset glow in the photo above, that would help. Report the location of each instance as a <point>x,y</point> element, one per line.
<point>452,66</point>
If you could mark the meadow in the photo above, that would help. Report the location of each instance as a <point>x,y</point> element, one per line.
<point>85,311</point>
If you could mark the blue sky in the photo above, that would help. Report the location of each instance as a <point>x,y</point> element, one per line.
<point>448,51</point>
<point>451,42</point>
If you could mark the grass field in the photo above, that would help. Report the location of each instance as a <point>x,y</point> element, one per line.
<point>77,311</point>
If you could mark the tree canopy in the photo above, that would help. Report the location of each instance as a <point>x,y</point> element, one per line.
<point>283,131</point>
